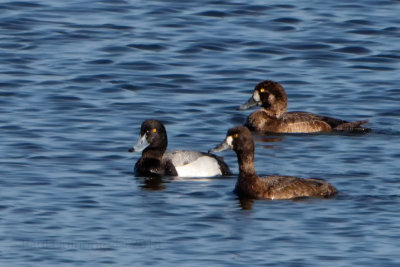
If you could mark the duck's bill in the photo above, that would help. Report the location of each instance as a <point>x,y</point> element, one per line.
<point>250,103</point>
<point>221,147</point>
<point>140,145</point>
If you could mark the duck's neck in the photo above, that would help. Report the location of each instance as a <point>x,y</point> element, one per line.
<point>246,163</point>
<point>273,113</point>
<point>276,109</point>
<point>153,153</point>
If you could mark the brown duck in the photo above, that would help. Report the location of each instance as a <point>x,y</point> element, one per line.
<point>270,187</point>
<point>273,118</point>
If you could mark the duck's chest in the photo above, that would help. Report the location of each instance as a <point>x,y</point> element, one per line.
<point>261,122</point>
<point>149,167</point>
<point>249,188</point>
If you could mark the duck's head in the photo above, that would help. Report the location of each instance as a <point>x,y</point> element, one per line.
<point>237,139</point>
<point>271,96</point>
<point>152,135</point>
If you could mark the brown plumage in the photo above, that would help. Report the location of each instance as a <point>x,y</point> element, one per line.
<point>270,187</point>
<point>273,118</point>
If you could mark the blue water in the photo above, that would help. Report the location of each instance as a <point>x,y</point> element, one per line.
<point>77,78</point>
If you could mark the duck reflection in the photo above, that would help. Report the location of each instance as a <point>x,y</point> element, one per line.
<point>153,183</point>
<point>246,203</point>
<point>269,140</point>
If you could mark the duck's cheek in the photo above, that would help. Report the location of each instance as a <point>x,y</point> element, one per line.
<point>256,96</point>
<point>229,141</point>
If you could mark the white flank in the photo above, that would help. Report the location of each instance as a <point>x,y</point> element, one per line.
<point>202,167</point>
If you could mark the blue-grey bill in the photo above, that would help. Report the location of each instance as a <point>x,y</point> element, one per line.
<point>221,147</point>
<point>140,145</point>
<point>250,103</point>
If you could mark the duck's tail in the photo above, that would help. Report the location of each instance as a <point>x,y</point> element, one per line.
<point>321,188</point>
<point>354,126</point>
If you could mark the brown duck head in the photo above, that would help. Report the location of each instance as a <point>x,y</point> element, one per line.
<point>271,96</point>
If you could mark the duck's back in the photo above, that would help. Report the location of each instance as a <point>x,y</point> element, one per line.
<point>291,122</point>
<point>182,157</point>
<point>287,187</point>
<point>317,123</point>
<point>300,122</point>
<point>304,122</point>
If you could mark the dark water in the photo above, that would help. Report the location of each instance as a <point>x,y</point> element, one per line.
<point>78,77</point>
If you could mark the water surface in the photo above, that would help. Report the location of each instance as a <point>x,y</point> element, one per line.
<point>77,79</point>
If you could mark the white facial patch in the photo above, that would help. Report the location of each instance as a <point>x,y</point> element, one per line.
<point>271,98</point>
<point>229,140</point>
<point>256,96</point>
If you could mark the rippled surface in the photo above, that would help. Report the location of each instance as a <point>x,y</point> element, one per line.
<point>77,79</point>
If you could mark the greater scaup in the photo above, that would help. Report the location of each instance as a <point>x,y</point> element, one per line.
<point>270,187</point>
<point>273,118</point>
<point>155,161</point>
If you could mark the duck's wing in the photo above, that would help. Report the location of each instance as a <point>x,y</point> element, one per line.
<point>195,164</point>
<point>288,187</point>
<point>309,122</point>
<point>303,122</point>
<point>182,157</point>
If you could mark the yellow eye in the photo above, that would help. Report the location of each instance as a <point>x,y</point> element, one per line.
<point>235,135</point>
<point>154,130</point>
<point>262,90</point>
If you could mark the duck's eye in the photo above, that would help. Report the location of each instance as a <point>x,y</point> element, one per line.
<point>262,90</point>
<point>154,130</point>
<point>235,135</point>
